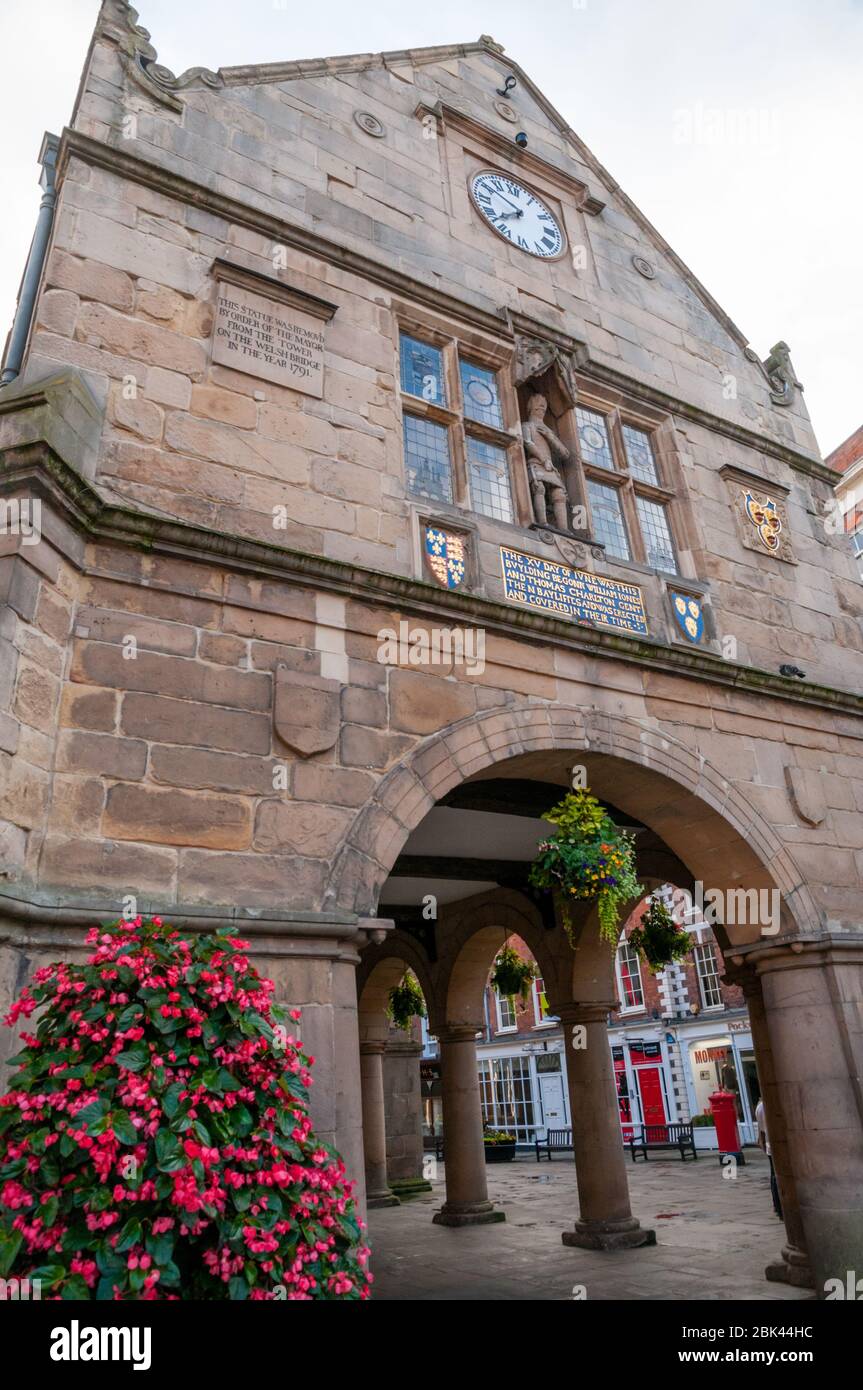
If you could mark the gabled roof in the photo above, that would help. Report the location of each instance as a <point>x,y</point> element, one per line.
<point>119,19</point>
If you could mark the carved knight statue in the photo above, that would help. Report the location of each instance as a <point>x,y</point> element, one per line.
<point>543,448</point>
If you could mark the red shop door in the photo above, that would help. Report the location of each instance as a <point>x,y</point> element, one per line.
<point>652,1103</point>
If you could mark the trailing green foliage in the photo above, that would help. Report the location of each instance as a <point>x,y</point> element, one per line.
<point>588,857</point>
<point>512,975</point>
<point>658,938</point>
<point>406,1001</point>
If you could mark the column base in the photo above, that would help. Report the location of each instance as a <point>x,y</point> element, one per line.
<point>792,1267</point>
<point>467,1214</point>
<point>405,1188</point>
<point>626,1234</point>
<point>381,1199</point>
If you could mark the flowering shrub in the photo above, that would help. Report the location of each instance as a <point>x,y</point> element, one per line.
<point>497,1136</point>
<point>588,857</point>
<point>156,1143</point>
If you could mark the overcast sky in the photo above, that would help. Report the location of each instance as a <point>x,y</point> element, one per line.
<point>737,127</point>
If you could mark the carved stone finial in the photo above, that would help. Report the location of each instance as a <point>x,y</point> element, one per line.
<point>490,43</point>
<point>119,22</point>
<point>781,376</point>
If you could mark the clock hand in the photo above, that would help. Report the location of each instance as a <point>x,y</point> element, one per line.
<point>510,204</point>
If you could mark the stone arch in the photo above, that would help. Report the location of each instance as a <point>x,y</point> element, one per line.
<point>648,773</point>
<point>476,930</point>
<point>382,967</point>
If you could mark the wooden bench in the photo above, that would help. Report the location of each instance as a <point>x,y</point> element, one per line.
<point>670,1136</point>
<point>558,1139</point>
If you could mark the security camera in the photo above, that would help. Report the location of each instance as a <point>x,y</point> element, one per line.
<point>521,140</point>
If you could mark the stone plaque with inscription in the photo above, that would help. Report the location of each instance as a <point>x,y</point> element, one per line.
<point>268,330</point>
<point>571,593</point>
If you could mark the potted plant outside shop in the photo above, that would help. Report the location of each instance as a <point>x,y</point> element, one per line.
<point>499,1146</point>
<point>704,1132</point>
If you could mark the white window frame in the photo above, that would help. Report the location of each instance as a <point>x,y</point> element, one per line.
<point>628,1008</point>
<point>700,974</point>
<point>501,1026</point>
<point>550,1019</point>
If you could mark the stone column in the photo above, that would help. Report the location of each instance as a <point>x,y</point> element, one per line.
<point>467,1202</point>
<point>403,1101</point>
<point>605,1221</point>
<point>792,1265</point>
<point>378,1193</point>
<point>813,1001</point>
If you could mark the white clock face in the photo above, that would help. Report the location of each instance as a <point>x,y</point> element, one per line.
<point>517,215</point>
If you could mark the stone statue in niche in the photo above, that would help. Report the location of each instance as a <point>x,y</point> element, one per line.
<point>543,450</point>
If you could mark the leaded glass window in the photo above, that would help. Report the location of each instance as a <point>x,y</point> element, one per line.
<point>427,459</point>
<point>639,454</point>
<point>593,438</point>
<point>422,370</point>
<point>489,480</point>
<point>657,536</point>
<point>608,524</point>
<point>481,396</point>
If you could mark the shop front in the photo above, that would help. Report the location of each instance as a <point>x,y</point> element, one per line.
<point>724,1061</point>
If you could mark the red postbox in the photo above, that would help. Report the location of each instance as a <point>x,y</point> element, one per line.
<point>722,1104</point>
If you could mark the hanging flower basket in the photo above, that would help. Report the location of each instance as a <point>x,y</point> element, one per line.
<point>512,975</point>
<point>587,857</point>
<point>406,1002</point>
<point>658,938</point>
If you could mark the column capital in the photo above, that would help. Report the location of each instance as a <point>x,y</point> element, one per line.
<point>458,1032</point>
<point>372,1047</point>
<point>813,951</point>
<point>588,1011</point>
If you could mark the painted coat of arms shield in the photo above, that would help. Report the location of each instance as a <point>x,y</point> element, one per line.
<point>446,557</point>
<point>688,616</point>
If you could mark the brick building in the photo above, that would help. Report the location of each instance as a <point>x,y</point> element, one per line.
<point>369,461</point>
<point>674,1038</point>
<point>847,461</point>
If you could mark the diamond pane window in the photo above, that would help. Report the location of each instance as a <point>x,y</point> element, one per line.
<point>593,438</point>
<point>657,536</point>
<point>481,398</point>
<point>489,480</point>
<point>427,459</point>
<point>608,522</point>
<point>639,455</point>
<point>422,371</point>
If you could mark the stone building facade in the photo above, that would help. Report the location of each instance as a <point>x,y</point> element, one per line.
<point>370,463</point>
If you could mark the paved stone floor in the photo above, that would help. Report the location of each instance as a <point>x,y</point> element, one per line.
<point>714,1237</point>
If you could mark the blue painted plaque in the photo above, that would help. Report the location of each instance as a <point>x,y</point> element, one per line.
<point>570,593</point>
